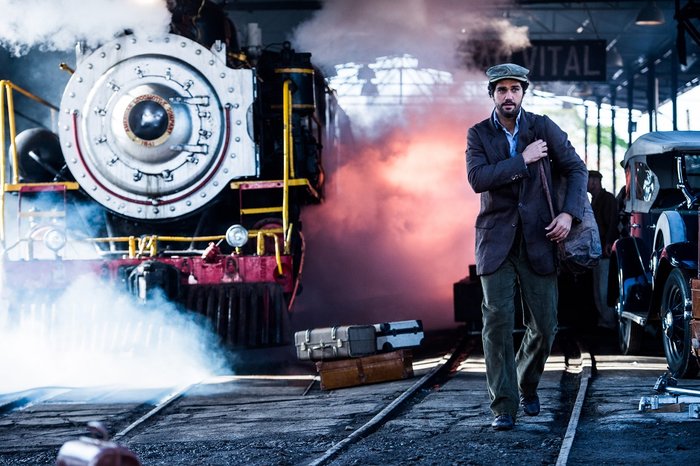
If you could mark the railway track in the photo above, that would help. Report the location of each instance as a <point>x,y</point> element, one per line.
<point>438,417</point>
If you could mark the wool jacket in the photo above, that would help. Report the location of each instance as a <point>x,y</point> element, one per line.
<point>512,193</point>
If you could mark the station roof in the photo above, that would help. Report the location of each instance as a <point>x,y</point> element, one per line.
<point>633,52</point>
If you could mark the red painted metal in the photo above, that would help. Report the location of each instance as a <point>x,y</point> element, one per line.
<point>223,269</point>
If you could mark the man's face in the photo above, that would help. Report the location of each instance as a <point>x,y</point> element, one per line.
<point>508,96</point>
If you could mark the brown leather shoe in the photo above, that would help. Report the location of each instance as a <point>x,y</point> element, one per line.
<point>530,404</point>
<point>503,422</point>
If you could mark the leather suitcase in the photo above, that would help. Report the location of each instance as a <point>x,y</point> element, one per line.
<point>401,334</point>
<point>346,341</point>
<point>383,367</point>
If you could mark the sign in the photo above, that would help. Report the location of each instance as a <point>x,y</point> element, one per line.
<point>564,60</point>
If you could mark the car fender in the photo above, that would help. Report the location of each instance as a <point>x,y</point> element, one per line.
<point>629,269</point>
<point>682,256</point>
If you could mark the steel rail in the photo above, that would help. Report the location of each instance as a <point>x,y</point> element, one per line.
<point>447,363</point>
<point>570,434</point>
<point>159,406</point>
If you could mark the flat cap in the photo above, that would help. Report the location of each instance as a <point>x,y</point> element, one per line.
<point>595,174</point>
<point>507,71</point>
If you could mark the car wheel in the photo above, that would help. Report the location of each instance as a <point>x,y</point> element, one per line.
<point>675,326</point>
<point>629,334</point>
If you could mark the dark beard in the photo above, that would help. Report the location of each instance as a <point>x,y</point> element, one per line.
<point>508,115</point>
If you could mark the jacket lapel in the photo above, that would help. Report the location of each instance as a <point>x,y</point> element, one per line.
<point>495,142</point>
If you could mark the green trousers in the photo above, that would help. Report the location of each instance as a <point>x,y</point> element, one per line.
<point>508,374</point>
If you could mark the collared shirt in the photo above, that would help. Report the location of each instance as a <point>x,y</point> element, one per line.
<point>512,138</point>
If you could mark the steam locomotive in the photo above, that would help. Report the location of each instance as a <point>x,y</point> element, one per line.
<point>178,168</point>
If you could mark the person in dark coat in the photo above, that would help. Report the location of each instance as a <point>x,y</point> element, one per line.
<point>604,207</point>
<point>516,236</point>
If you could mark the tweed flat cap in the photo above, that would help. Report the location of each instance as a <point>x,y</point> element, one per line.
<point>507,71</point>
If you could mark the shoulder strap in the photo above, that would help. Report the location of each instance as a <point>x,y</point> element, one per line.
<point>545,186</point>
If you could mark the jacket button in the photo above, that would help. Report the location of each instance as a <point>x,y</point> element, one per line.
<point>513,225</point>
<point>520,204</point>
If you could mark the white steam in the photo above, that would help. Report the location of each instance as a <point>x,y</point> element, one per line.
<point>93,335</point>
<point>430,30</point>
<point>56,25</point>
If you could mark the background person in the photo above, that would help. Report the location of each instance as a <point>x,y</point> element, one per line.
<point>605,209</point>
<point>515,238</point>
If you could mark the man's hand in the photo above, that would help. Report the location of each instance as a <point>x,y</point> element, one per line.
<point>535,151</point>
<point>560,227</point>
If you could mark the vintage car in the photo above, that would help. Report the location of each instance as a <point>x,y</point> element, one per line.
<point>657,255</point>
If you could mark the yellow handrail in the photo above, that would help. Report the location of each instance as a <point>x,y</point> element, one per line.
<point>7,99</point>
<point>286,147</point>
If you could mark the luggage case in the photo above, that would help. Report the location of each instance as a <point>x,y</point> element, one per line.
<point>346,341</point>
<point>383,367</point>
<point>89,451</point>
<point>401,334</point>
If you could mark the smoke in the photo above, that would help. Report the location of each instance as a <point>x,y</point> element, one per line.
<point>92,335</point>
<point>433,31</point>
<point>56,25</point>
<point>397,228</point>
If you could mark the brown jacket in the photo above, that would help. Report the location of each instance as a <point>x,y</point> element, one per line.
<point>512,194</point>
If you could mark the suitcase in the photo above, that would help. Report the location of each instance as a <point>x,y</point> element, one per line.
<point>382,367</point>
<point>346,341</point>
<point>401,334</point>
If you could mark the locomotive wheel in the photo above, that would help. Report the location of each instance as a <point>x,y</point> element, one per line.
<point>629,334</point>
<point>675,325</point>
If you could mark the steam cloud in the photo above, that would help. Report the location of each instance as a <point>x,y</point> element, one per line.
<point>56,25</point>
<point>94,336</point>
<point>430,30</point>
<point>396,230</point>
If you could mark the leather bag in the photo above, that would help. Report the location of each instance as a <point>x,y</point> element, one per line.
<point>581,250</point>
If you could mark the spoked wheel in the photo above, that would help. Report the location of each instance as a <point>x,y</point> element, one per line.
<point>629,334</point>
<point>675,325</point>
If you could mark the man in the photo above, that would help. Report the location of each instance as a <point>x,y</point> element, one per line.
<point>516,236</point>
<point>604,207</point>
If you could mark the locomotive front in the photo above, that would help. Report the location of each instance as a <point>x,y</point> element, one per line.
<point>153,129</point>
<point>177,174</point>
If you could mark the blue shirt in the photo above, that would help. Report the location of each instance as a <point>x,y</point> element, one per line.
<point>512,138</point>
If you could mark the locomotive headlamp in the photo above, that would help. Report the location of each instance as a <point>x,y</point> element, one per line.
<point>236,236</point>
<point>54,239</point>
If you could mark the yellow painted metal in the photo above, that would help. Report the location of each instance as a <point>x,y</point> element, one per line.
<point>261,210</point>
<point>69,185</point>
<point>149,244</point>
<point>261,247</point>
<point>132,246</point>
<point>7,117</point>
<point>2,162</point>
<point>287,142</point>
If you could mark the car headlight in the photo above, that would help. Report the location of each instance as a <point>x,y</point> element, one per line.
<point>236,236</point>
<point>54,239</point>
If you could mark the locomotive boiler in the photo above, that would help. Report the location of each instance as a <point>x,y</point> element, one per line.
<point>175,169</point>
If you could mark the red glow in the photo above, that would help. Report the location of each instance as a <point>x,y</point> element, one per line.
<point>396,229</point>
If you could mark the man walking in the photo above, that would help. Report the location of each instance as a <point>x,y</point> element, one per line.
<point>516,237</point>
